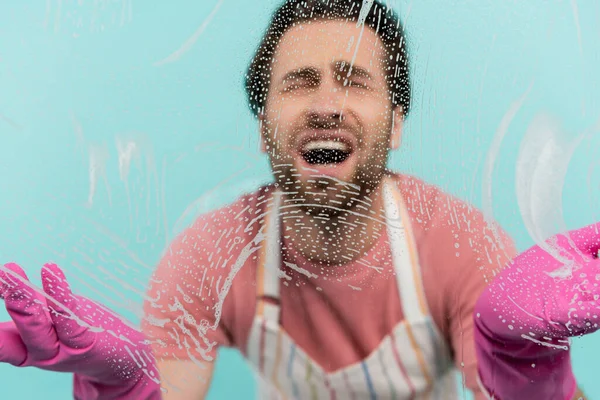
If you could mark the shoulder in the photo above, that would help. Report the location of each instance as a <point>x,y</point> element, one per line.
<point>432,207</point>
<point>458,246</point>
<point>436,214</point>
<point>208,253</point>
<point>226,229</point>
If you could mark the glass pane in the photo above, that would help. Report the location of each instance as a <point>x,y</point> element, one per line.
<point>135,156</point>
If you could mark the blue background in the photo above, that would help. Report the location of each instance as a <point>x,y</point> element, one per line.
<point>79,77</point>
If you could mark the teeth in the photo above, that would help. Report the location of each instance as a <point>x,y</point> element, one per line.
<point>326,144</point>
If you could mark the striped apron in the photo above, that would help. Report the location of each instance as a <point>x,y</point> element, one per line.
<point>412,362</point>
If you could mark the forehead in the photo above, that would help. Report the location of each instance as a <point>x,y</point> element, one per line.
<point>321,43</point>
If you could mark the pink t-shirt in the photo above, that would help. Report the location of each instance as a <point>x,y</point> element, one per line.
<point>203,297</point>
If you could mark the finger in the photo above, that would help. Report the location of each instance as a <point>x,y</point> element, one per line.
<point>587,239</point>
<point>65,309</point>
<point>12,349</point>
<point>27,308</point>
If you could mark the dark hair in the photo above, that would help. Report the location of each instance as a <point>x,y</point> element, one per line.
<point>380,18</point>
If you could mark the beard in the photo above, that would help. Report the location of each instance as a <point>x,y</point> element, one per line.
<point>329,197</point>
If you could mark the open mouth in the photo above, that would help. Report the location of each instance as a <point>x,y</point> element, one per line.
<point>320,152</point>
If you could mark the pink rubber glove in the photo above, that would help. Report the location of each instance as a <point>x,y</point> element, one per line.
<point>525,317</point>
<point>58,331</point>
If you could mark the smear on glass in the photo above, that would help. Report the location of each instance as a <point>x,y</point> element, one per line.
<point>544,157</point>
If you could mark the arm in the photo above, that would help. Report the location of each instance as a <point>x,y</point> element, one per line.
<point>111,363</point>
<point>180,316</point>
<point>461,321</point>
<point>56,330</point>
<point>484,252</point>
<point>184,379</point>
<point>462,276</point>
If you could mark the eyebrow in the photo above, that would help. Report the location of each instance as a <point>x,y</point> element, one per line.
<point>301,73</point>
<point>345,66</point>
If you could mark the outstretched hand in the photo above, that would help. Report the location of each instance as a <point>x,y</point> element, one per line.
<point>527,315</point>
<point>56,330</point>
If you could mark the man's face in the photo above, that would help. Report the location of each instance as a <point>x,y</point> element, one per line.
<point>328,122</point>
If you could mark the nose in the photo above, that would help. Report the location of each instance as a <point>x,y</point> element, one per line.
<point>325,110</point>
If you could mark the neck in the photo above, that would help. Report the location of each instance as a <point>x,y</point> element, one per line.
<point>339,239</point>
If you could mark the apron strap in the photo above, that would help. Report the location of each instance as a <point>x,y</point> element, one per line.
<point>404,254</point>
<point>269,263</point>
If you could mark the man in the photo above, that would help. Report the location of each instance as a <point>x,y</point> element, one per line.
<point>328,288</point>
<point>340,280</point>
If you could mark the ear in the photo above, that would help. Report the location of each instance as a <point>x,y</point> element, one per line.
<point>398,124</point>
<point>262,131</point>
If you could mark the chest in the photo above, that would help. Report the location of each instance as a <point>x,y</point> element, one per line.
<point>340,319</point>
<point>345,340</point>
